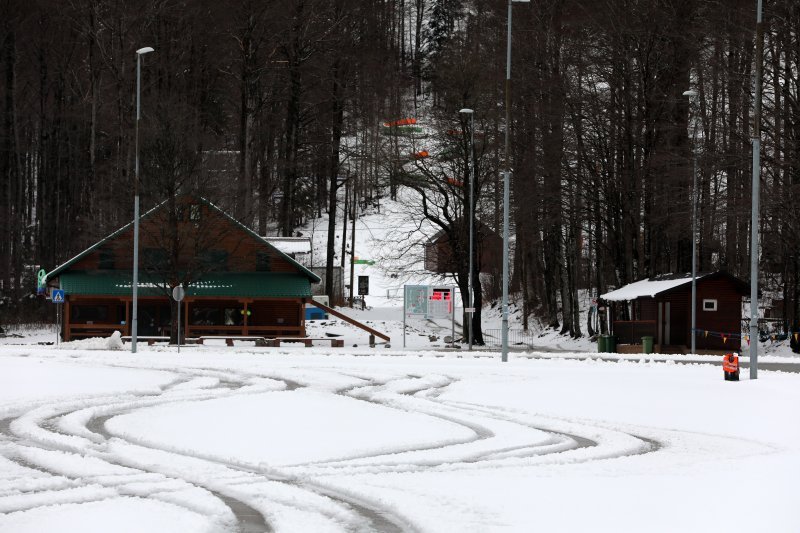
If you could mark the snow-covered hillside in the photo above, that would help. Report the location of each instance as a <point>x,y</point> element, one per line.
<point>389,237</point>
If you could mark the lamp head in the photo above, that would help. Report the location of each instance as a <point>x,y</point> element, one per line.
<point>691,93</point>
<point>145,50</point>
<point>466,111</point>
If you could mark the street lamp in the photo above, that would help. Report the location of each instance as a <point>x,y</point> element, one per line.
<point>134,314</point>
<point>692,95</point>
<point>755,197</point>
<point>507,189</point>
<point>470,310</point>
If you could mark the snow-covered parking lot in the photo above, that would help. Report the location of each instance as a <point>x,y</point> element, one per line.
<point>315,440</point>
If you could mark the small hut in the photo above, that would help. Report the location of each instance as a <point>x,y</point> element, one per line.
<point>660,307</point>
<point>439,252</point>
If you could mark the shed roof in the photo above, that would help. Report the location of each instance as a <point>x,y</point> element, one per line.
<point>650,287</point>
<point>251,284</point>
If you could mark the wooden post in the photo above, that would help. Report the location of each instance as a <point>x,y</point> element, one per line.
<point>244,317</point>
<point>65,318</point>
<point>302,317</point>
<point>127,328</point>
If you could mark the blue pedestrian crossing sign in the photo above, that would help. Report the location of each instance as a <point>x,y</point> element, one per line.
<point>57,296</point>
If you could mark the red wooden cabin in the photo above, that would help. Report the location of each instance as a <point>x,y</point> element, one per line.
<point>660,307</point>
<point>236,282</point>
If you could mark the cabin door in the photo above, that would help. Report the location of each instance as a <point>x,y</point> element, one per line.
<point>663,323</point>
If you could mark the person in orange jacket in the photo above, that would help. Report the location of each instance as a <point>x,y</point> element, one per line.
<point>730,365</point>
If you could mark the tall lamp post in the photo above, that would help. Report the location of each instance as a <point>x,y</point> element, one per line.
<point>507,188</point>
<point>692,95</point>
<point>755,201</point>
<point>471,211</point>
<point>135,311</point>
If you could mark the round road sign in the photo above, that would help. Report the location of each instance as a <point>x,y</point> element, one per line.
<point>178,293</point>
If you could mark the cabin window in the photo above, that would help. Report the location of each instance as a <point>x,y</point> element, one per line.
<point>89,314</point>
<point>206,316</point>
<point>233,316</point>
<point>214,260</point>
<point>194,212</point>
<point>106,259</point>
<point>155,258</point>
<point>263,262</point>
<point>709,305</point>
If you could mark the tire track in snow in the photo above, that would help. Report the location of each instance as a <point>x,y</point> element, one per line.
<point>563,441</point>
<point>64,488</point>
<point>249,520</point>
<point>375,517</point>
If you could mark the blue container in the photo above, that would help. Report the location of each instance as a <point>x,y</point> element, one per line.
<point>315,313</point>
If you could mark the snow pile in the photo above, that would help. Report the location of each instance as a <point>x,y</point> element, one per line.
<point>114,342</point>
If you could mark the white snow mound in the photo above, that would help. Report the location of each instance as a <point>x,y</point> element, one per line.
<point>114,342</point>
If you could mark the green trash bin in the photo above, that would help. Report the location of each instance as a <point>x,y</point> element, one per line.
<point>602,343</point>
<point>611,346</point>
<point>647,344</point>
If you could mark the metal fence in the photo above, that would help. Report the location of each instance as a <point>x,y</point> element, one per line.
<point>517,338</point>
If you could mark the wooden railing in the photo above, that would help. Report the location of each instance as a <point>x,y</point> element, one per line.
<point>266,331</point>
<point>632,331</point>
<point>79,331</point>
<point>349,320</point>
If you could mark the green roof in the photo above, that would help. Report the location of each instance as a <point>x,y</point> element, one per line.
<point>235,284</point>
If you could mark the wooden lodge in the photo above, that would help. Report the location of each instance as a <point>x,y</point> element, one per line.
<point>660,307</point>
<point>236,283</point>
<point>439,252</point>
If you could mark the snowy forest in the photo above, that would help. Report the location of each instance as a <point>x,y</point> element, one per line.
<point>270,109</point>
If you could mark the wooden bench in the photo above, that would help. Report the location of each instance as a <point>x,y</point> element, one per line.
<point>151,340</point>
<point>260,341</point>
<point>308,342</point>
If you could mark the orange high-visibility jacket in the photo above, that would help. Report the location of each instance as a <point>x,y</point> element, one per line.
<point>730,362</point>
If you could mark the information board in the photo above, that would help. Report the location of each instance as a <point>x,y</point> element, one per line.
<point>440,302</point>
<point>429,302</point>
<point>363,285</point>
<point>416,300</point>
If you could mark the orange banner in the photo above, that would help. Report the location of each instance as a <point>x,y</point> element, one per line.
<point>401,122</point>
